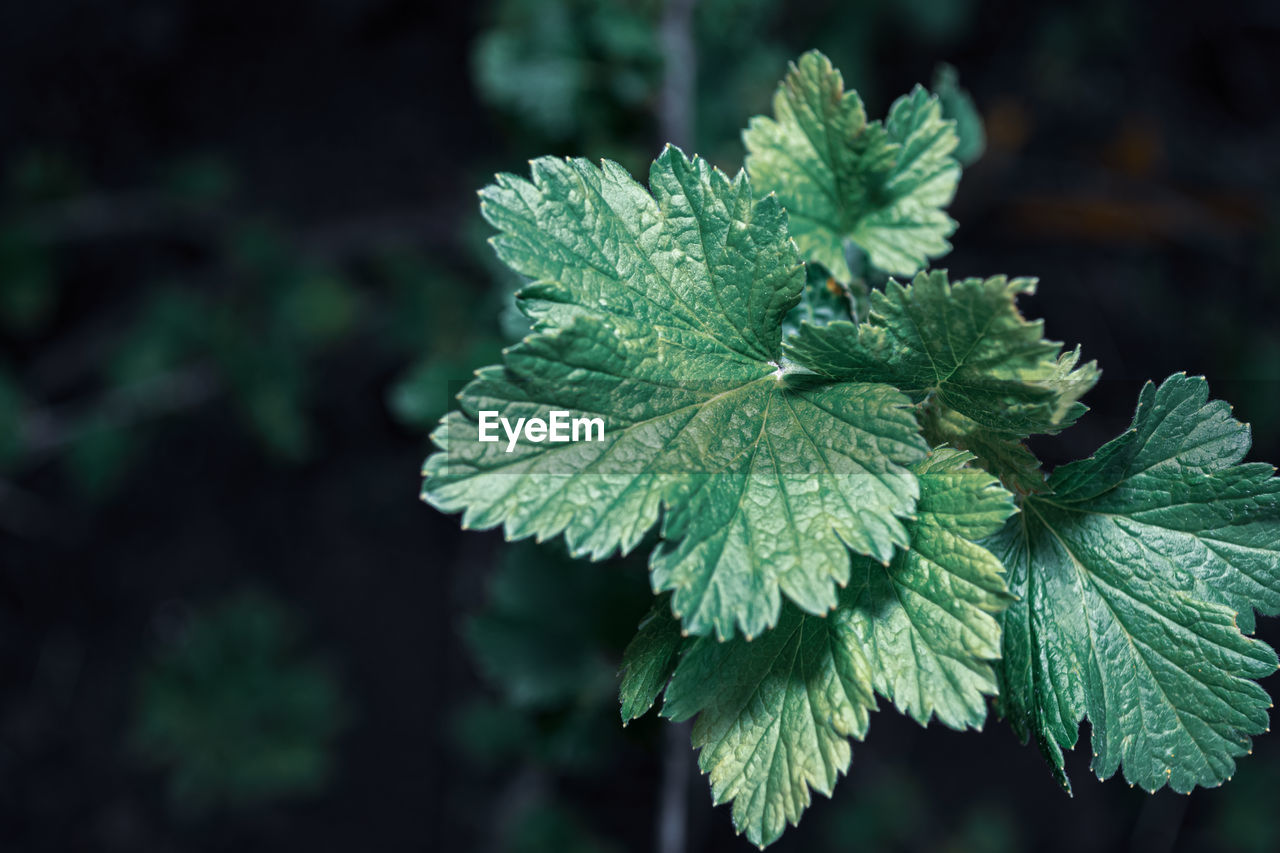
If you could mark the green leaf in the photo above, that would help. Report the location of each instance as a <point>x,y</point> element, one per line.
<point>824,300</point>
<point>1002,455</point>
<point>649,661</point>
<point>775,715</point>
<point>958,106</point>
<point>842,178</point>
<point>661,314</point>
<point>925,621</point>
<point>1134,578</point>
<point>964,344</point>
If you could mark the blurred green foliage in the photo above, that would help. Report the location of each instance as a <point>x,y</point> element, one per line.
<point>235,711</point>
<point>550,827</point>
<point>586,75</point>
<point>542,636</point>
<point>448,324</point>
<point>42,174</point>
<point>100,455</point>
<point>200,180</point>
<point>547,642</point>
<point>28,289</point>
<point>958,105</point>
<point>891,810</point>
<point>252,321</point>
<point>568,66</point>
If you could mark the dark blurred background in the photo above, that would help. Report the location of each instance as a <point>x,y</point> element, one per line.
<point>241,264</point>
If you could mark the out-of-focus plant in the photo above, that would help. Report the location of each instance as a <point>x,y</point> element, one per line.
<point>564,66</point>
<point>235,710</point>
<point>589,74</point>
<point>547,643</point>
<point>232,309</point>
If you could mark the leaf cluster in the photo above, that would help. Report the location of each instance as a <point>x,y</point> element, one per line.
<point>844,504</point>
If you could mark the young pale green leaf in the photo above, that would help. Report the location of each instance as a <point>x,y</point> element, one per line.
<point>649,661</point>
<point>661,314</point>
<point>926,620</point>
<point>1132,575</point>
<point>841,178</point>
<point>963,344</point>
<point>775,715</point>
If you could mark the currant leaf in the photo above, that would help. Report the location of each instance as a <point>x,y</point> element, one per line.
<point>775,715</point>
<point>660,313</point>
<point>926,621</point>
<point>649,661</point>
<point>1134,577</point>
<point>882,187</point>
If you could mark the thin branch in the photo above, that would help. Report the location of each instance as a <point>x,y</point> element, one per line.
<point>673,803</point>
<point>680,61</point>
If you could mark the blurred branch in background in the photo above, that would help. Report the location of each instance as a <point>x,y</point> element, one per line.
<point>46,431</point>
<point>675,125</point>
<point>679,75</point>
<point>677,769</point>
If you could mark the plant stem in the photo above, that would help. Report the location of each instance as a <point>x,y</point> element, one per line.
<point>673,802</point>
<point>680,69</point>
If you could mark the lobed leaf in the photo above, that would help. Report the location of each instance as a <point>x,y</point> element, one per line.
<point>1135,576</point>
<point>661,314</point>
<point>649,661</point>
<point>964,343</point>
<point>841,178</point>
<point>926,620</point>
<point>774,715</point>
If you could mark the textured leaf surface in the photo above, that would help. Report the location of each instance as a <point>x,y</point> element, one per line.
<point>660,312</point>
<point>824,300</point>
<point>999,453</point>
<point>842,178</point>
<point>965,344</point>
<point>1132,576</point>
<point>926,620</point>
<point>649,661</point>
<point>775,715</point>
